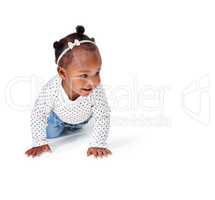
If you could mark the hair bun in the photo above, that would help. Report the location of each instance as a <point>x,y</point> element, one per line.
<point>93,39</point>
<point>56,44</point>
<point>80,29</point>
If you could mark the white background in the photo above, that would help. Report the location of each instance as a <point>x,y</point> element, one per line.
<point>158,66</point>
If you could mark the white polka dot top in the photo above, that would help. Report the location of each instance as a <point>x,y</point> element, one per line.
<point>52,97</point>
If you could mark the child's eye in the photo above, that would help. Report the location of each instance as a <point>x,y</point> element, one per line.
<point>83,75</point>
<point>97,73</point>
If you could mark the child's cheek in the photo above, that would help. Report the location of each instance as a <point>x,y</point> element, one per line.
<point>96,81</point>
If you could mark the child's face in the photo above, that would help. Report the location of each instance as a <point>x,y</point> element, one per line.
<point>81,76</point>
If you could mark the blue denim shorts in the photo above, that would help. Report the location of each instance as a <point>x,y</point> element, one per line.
<point>56,127</point>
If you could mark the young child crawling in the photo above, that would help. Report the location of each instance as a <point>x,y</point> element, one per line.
<point>70,98</point>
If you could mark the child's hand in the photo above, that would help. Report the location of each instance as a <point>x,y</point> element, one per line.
<point>98,152</point>
<point>36,151</point>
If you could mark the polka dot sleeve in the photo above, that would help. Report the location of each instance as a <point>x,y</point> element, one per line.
<point>101,114</point>
<point>39,115</point>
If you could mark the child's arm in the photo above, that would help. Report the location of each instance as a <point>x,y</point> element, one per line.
<point>101,114</point>
<point>39,115</point>
<point>41,109</point>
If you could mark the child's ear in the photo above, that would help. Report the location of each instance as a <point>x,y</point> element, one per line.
<point>62,73</point>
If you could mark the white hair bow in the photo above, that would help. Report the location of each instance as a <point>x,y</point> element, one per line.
<point>75,43</point>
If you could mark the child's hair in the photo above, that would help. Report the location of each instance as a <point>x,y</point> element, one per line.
<point>61,45</point>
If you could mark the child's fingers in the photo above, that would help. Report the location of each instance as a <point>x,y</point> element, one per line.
<point>33,152</point>
<point>100,153</point>
<point>88,152</point>
<point>92,152</point>
<point>27,152</point>
<point>108,151</point>
<point>104,152</point>
<point>95,153</point>
<point>39,151</point>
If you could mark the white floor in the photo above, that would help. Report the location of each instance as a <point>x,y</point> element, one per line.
<point>147,163</point>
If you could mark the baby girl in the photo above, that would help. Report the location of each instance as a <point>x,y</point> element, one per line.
<point>72,97</point>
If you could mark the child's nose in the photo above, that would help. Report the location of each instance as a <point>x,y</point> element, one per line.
<point>90,84</point>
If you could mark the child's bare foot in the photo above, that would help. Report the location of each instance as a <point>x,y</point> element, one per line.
<point>36,151</point>
<point>98,152</point>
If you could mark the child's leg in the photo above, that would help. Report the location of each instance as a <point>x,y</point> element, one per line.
<point>55,126</point>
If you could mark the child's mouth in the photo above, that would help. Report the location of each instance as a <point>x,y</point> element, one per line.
<point>87,90</point>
